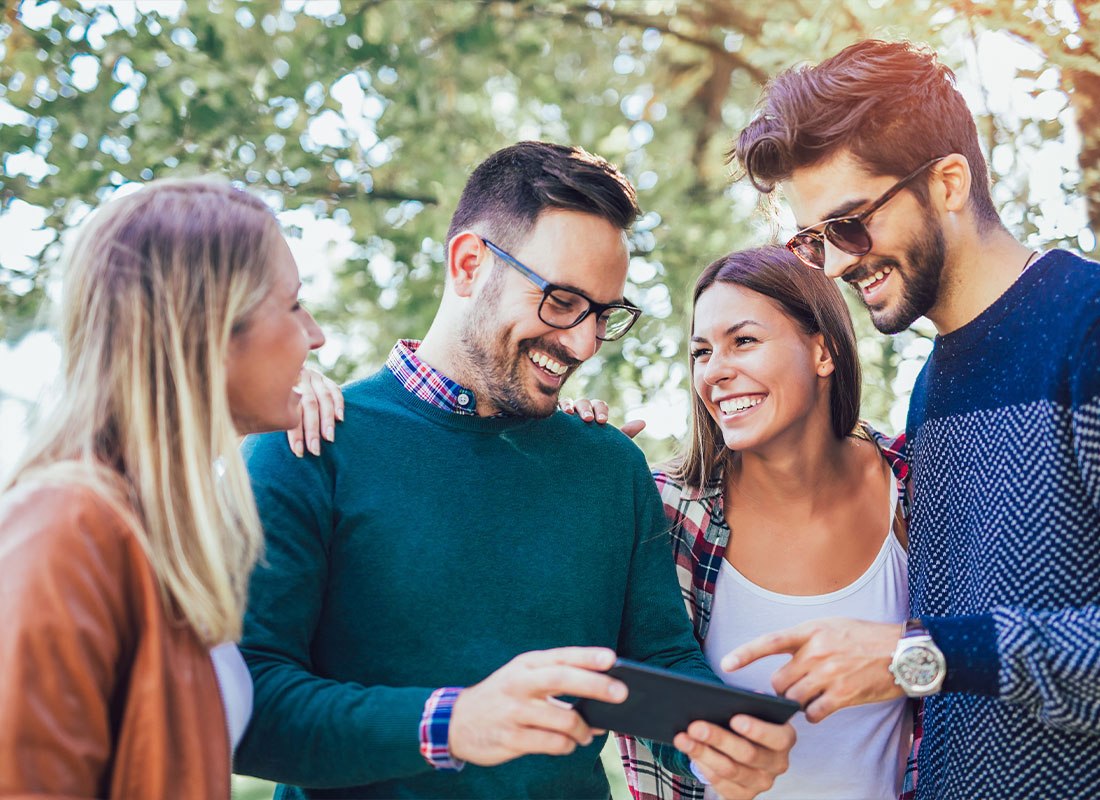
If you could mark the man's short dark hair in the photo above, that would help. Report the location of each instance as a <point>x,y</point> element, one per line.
<point>506,193</point>
<point>894,105</point>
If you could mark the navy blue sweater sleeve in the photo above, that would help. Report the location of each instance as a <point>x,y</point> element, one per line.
<point>1050,661</point>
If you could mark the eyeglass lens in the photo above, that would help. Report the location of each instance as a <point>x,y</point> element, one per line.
<point>564,309</point>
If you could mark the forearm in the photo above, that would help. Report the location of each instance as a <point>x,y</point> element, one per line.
<point>311,731</point>
<point>1045,661</point>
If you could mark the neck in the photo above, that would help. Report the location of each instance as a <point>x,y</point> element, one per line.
<point>801,477</point>
<point>441,350</point>
<point>979,268</point>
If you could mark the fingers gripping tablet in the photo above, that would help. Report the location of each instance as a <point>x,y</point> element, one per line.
<point>661,703</point>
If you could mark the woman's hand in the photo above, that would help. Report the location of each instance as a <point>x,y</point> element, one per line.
<point>322,406</point>
<point>589,410</point>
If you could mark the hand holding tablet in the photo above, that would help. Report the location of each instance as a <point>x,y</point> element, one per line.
<point>662,703</point>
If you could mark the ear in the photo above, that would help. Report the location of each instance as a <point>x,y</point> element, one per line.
<point>952,186</point>
<point>466,261</point>
<point>823,359</point>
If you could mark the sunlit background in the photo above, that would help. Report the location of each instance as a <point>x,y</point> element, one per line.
<point>358,122</point>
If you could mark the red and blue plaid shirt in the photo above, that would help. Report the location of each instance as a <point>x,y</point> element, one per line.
<point>433,387</point>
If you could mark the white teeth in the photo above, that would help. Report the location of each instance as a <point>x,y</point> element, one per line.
<point>878,276</point>
<point>547,363</point>
<point>739,404</point>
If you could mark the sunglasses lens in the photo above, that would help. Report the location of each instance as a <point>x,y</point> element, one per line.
<point>850,236</point>
<point>810,249</point>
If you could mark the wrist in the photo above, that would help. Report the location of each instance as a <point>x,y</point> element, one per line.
<point>918,665</point>
<point>970,646</point>
<point>435,729</point>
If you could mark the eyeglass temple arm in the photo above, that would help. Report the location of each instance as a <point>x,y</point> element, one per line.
<point>862,215</point>
<point>527,272</point>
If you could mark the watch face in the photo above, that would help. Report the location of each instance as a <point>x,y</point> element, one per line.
<point>918,666</point>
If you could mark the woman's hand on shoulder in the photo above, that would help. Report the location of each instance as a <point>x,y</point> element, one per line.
<point>596,411</point>
<point>322,408</point>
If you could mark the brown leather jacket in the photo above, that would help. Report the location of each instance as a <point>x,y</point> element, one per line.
<point>101,694</point>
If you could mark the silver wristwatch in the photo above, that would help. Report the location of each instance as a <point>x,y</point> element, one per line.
<point>918,665</point>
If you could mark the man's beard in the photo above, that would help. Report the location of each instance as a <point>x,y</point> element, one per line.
<point>501,371</point>
<point>920,280</point>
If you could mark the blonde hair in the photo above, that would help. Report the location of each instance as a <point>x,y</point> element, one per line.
<point>155,286</point>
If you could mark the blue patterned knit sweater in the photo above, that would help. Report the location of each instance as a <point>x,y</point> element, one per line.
<point>1004,561</point>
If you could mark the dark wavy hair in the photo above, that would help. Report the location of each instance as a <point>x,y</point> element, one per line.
<point>892,104</point>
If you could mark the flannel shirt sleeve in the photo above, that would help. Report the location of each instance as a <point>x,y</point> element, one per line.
<point>435,727</point>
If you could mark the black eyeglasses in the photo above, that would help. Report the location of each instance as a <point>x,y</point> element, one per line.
<point>565,308</point>
<point>846,233</point>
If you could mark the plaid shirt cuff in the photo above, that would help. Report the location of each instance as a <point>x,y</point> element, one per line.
<point>435,725</point>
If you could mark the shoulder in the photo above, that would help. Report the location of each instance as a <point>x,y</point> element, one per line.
<point>65,534</point>
<point>683,503</point>
<point>606,439</point>
<point>892,448</point>
<point>1068,287</point>
<point>371,389</point>
<point>47,514</point>
<point>269,454</point>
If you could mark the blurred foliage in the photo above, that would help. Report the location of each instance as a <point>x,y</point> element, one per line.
<point>371,113</point>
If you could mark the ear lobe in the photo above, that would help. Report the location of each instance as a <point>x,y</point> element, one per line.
<point>823,359</point>
<point>465,257</point>
<point>954,176</point>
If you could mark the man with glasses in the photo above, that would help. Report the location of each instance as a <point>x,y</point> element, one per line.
<point>878,155</point>
<point>439,576</point>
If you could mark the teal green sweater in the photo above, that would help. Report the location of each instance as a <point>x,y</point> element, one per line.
<point>427,549</point>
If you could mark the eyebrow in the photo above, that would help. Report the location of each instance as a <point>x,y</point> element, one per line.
<point>843,210</point>
<point>577,290</point>
<point>731,330</point>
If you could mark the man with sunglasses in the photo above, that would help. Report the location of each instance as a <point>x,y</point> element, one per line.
<point>878,155</point>
<point>437,577</point>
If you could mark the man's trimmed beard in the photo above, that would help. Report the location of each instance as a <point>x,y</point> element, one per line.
<point>499,372</point>
<point>920,280</point>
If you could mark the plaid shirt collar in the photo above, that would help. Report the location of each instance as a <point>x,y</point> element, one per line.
<point>428,383</point>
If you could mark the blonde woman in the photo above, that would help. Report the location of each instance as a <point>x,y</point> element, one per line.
<point>128,531</point>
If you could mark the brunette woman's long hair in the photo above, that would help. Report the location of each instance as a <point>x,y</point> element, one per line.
<point>816,305</point>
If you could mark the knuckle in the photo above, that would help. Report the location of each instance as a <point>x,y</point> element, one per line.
<point>790,737</point>
<point>726,770</point>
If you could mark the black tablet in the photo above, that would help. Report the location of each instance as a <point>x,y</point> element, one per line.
<point>662,703</point>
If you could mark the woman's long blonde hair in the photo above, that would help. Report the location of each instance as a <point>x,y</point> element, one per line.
<point>155,286</point>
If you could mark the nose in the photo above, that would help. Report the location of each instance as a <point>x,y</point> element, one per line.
<point>314,335</point>
<point>718,370</point>
<point>837,262</point>
<point>580,340</point>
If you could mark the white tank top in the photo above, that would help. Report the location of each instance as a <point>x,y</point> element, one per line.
<point>856,753</point>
